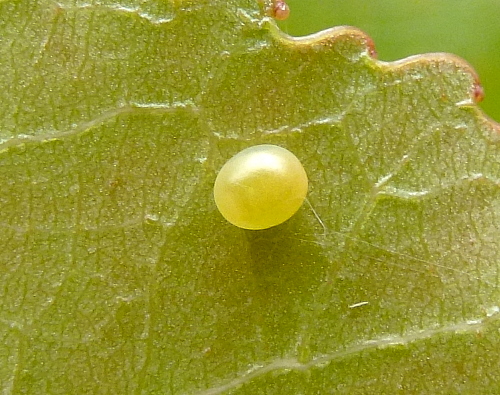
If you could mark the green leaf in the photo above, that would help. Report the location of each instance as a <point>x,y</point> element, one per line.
<point>120,276</point>
<point>403,28</point>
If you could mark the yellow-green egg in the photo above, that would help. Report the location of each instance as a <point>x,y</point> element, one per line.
<point>260,187</point>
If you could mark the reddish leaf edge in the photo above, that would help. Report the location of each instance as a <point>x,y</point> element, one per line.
<point>367,47</point>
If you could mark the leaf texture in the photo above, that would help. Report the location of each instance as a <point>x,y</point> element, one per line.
<point>120,276</point>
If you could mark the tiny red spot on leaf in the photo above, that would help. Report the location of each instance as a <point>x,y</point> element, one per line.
<point>478,92</point>
<point>281,10</point>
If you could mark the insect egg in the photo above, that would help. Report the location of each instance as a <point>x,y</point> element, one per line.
<point>260,187</point>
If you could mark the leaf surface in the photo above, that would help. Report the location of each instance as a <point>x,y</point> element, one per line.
<point>403,28</point>
<point>120,276</point>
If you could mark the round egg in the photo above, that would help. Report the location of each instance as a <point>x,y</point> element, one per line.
<point>260,187</point>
